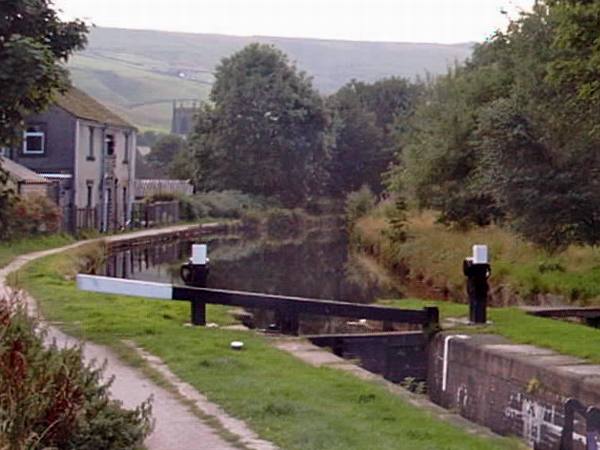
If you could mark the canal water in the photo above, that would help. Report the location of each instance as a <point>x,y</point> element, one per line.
<point>318,264</point>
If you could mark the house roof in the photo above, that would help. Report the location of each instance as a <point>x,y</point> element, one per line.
<point>81,105</point>
<point>21,174</point>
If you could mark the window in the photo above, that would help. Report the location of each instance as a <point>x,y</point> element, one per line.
<point>90,186</point>
<point>4,151</point>
<point>125,204</point>
<point>90,155</point>
<point>110,145</point>
<point>126,155</point>
<point>34,141</point>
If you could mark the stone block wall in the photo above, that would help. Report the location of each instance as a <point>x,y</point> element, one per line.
<point>517,390</point>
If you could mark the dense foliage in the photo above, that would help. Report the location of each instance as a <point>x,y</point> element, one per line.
<point>509,137</point>
<point>263,132</point>
<point>50,399</point>
<point>34,44</point>
<point>363,131</point>
<point>268,132</point>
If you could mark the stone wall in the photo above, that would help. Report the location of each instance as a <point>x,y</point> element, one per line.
<point>397,356</point>
<point>513,389</point>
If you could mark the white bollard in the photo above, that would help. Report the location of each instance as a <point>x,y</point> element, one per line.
<point>480,254</point>
<point>199,252</point>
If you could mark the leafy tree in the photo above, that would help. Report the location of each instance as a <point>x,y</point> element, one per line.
<point>149,137</point>
<point>439,160</point>
<point>34,44</point>
<point>164,150</point>
<point>506,138</point>
<point>354,154</point>
<point>182,167</point>
<point>577,37</point>
<point>365,119</point>
<point>263,133</point>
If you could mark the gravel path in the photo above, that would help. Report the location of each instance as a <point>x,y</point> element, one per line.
<point>176,427</point>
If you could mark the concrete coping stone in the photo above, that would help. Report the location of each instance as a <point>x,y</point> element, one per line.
<point>586,370</point>
<point>519,349</point>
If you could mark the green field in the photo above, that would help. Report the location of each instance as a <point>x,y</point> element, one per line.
<point>138,93</point>
<point>122,68</point>
<point>294,405</point>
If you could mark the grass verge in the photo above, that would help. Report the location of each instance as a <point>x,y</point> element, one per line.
<point>435,253</point>
<point>294,405</point>
<point>519,327</point>
<point>13,248</point>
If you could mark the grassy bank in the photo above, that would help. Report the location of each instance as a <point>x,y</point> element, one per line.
<point>286,401</point>
<point>434,253</point>
<point>521,328</point>
<point>13,248</point>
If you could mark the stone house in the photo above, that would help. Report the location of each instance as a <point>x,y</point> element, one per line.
<point>88,152</point>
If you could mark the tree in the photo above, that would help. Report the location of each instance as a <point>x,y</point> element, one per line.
<point>577,37</point>
<point>439,159</point>
<point>34,44</point>
<point>164,150</point>
<point>365,119</point>
<point>506,138</point>
<point>182,166</point>
<point>263,133</point>
<point>354,156</point>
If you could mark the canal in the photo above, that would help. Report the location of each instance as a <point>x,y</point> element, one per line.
<point>317,264</point>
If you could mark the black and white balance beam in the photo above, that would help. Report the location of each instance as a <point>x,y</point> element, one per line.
<point>284,305</point>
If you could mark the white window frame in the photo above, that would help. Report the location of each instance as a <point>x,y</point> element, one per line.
<point>40,134</point>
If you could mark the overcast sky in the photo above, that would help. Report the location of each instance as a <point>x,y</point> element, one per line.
<point>444,21</point>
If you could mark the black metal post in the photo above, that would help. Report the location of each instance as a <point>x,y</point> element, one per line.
<point>198,310</point>
<point>196,275</point>
<point>477,289</point>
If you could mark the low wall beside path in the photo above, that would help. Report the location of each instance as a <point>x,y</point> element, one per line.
<point>518,390</point>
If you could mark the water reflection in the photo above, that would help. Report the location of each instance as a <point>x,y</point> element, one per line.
<point>318,265</point>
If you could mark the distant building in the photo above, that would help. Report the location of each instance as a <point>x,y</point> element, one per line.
<point>88,152</point>
<point>183,119</point>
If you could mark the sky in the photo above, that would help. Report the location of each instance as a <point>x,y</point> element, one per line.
<point>441,21</point>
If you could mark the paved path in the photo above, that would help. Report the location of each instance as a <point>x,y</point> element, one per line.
<point>176,427</point>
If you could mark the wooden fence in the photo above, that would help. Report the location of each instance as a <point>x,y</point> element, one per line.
<point>86,219</point>
<point>145,215</point>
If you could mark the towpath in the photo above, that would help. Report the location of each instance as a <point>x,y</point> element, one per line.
<point>177,427</point>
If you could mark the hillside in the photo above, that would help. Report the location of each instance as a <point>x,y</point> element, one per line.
<point>139,73</point>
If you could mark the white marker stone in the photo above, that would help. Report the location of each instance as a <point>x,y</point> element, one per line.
<point>237,345</point>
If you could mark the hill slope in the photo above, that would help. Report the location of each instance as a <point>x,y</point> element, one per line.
<point>139,72</point>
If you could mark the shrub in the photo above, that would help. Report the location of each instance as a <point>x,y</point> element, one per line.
<point>222,204</point>
<point>35,214</point>
<point>358,204</point>
<point>283,222</point>
<point>50,399</point>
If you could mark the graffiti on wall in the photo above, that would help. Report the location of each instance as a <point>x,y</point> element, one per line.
<point>537,422</point>
<point>591,416</point>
